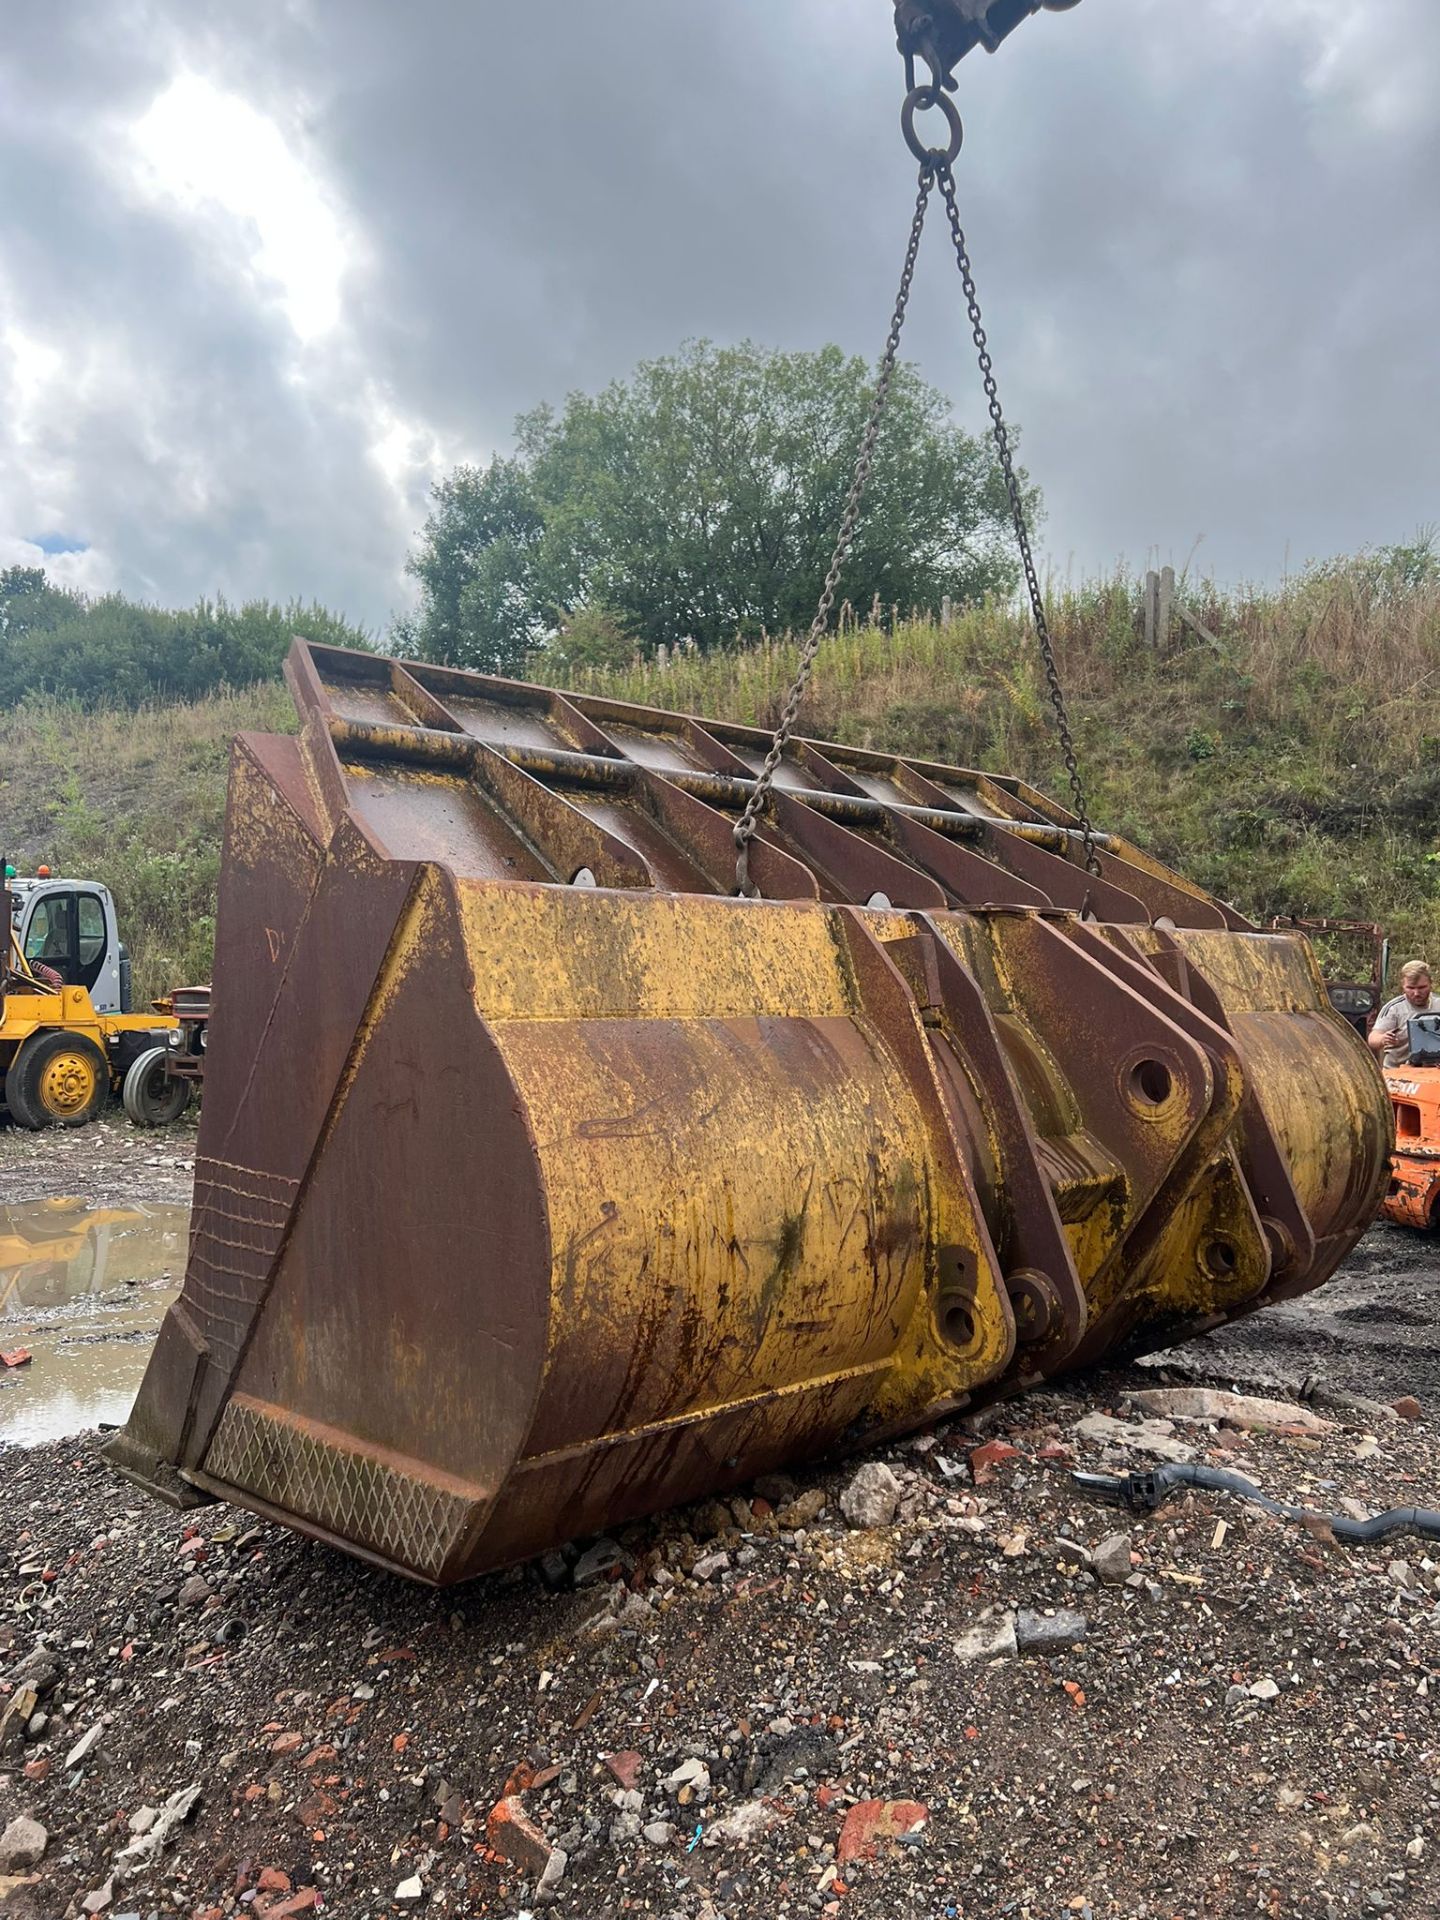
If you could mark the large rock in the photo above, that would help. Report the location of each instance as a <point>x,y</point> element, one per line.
<point>778,1488</point>
<point>711,1518</point>
<point>84,1746</point>
<point>19,1711</point>
<point>802,1510</point>
<point>693,1774</point>
<point>516,1837</point>
<point>599,1562</point>
<point>872,1498</point>
<point>1153,1437</point>
<point>146,1847</point>
<point>991,1638</point>
<point>1234,1409</point>
<point>870,1823</point>
<point>22,1844</point>
<point>39,1669</point>
<point>1049,1632</point>
<point>742,1828</point>
<point>1111,1560</point>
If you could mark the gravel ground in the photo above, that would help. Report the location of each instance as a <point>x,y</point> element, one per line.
<point>1376,1325</point>
<point>109,1164</point>
<point>983,1704</point>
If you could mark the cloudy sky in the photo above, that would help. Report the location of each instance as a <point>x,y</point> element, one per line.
<point>269,266</point>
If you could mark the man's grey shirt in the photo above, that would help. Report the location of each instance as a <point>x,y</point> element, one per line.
<point>1395,1017</point>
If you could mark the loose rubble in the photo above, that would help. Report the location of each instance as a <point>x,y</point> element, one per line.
<point>110,1162</point>
<point>773,1703</point>
<point>1003,1697</point>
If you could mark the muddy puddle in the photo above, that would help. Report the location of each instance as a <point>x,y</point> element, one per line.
<point>82,1291</point>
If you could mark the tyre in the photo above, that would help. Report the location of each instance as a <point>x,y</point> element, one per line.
<point>153,1096</point>
<point>57,1080</point>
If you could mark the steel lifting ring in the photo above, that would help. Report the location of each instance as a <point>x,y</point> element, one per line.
<point>921,99</point>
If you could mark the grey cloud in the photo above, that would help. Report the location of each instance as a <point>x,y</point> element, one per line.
<point>1207,256</point>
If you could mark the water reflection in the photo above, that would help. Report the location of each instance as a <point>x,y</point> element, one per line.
<point>82,1289</point>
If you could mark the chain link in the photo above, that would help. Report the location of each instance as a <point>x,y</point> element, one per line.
<point>946,175</point>
<point>745,827</point>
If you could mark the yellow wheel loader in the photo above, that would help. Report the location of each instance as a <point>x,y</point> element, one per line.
<point>68,1038</point>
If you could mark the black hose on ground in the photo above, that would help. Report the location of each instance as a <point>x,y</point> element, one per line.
<point>1143,1493</point>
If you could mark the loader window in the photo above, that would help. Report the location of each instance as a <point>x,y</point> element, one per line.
<point>92,930</point>
<point>67,933</point>
<point>48,939</point>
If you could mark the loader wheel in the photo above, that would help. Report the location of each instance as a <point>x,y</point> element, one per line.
<point>57,1080</point>
<point>153,1096</point>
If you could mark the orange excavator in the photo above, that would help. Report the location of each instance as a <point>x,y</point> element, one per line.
<point>1412,1198</point>
<point>1354,956</point>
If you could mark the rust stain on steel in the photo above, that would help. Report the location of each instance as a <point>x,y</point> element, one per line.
<point>542,1183</point>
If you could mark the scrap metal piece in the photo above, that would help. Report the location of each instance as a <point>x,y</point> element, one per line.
<point>543,1183</point>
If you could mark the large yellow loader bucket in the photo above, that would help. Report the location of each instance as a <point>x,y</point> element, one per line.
<point>544,1183</point>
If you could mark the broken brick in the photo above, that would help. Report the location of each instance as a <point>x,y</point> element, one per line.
<point>994,1453</point>
<point>512,1832</point>
<point>305,1901</point>
<point>870,1822</point>
<point>625,1767</point>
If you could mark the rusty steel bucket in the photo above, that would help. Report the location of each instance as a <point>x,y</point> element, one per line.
<point>542,1183</point>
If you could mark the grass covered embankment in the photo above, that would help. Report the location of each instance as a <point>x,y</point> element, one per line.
<point>1293,766</point>
<point>135,800</point>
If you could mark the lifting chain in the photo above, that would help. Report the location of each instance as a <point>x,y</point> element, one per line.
<point>936,164</point>
<point>745,826</point>
<point>1001,434</point>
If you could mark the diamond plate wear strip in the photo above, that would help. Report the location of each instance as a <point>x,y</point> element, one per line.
<point>400,1516</point>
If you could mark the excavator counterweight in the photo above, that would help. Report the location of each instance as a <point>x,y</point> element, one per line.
<point>543,1183</point>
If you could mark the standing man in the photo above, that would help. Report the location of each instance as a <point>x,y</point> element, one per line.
<point>1390,1035</point>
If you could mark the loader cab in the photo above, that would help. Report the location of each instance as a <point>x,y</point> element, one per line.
<point>70,927</point>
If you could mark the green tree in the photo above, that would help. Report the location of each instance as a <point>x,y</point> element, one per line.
<point>476,569</point>
<point>112,651</point>
<point>29,604</point>
<point>700,499</point>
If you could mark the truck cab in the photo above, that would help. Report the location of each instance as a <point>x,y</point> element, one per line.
<point>70,927</point>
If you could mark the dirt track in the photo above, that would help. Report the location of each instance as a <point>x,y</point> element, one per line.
<point>1247,1726</point>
